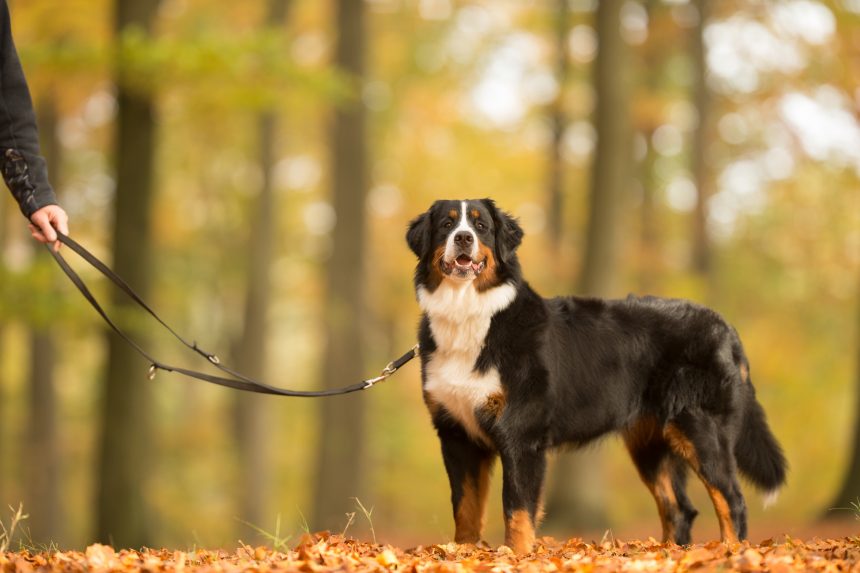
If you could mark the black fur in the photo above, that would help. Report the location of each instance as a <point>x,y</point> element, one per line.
<point>766,472</point>
<point>669,375</point>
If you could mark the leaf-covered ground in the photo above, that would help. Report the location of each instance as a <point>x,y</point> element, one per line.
<point>323,553</point>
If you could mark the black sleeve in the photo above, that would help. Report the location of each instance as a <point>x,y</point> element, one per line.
<point>21,162</point>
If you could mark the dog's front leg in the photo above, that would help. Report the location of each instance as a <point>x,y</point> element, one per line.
<point>523,469</point>
<point>468,465</point>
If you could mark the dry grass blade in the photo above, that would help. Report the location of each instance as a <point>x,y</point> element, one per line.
<point>8,533</point>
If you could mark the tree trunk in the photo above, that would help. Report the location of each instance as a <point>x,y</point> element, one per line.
<point>649,236</point>
<point>42,453</point>
<point>611,173</point>
<point>648,220</point>
<point>576,500</point>
<point>125,433</point>
<point>339,465</point>
<point>249,409</point>
<point>4,401</point>
<point>849,492</point>
<point>558,122</point>
<point>701,255</point>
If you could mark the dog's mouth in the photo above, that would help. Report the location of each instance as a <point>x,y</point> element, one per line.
<point>462,266</point>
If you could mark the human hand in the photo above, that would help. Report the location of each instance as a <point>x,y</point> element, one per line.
<point>45,223</point>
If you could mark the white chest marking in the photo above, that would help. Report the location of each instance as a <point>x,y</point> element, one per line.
<point>459,320</point>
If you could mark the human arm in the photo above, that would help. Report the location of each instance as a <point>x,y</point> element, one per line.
<point>21,162</point>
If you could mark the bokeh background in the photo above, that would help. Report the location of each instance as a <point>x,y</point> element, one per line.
<point>251,168</point>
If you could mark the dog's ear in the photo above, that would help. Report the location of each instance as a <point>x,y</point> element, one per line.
<point>418,235</point>
<point>509,234</point>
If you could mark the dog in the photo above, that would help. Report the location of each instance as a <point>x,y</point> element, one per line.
<point>509,374</point>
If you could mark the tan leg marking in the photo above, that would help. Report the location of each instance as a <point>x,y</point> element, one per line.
<point>469,516</point>
<point>641,434</point>
<point>667,504</point>
<point>745,373</point>
<point>724,515</point>
<point>520,532</point>
<point>681,445</point>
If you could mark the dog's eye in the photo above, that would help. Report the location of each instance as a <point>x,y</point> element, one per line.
<point>480,226</point>
<point>448,224</point>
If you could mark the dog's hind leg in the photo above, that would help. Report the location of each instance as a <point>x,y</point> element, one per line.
<point>699,441</point>
<point>653,459</point>
<point>686,512</point>
<point>468,465</point>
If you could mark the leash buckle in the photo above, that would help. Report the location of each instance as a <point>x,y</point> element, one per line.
<point>386,372</point>
<point>390,369</point>
<point>372,381</point>
<point>153,370</point>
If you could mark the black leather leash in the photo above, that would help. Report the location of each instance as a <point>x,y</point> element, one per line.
<point>237,381</point>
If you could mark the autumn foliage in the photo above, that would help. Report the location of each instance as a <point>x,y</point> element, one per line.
<point>322,552</point>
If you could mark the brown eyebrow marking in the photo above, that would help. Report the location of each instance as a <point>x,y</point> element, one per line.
<point>453,213</point>
<point>476,214</point>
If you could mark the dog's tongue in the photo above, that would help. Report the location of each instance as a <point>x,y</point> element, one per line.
<point>464,260</point>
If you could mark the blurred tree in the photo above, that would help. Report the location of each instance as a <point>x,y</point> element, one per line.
<point>125,430</point>
<point>849,489</point>
<point>249,409</point>
<point>3,402</point>
<point>340,460</point>
<point>558,122</point>
<point>701,258</point>
<point>648,120</point>
<point>576,499</point>
<point>42,454</point>
<point>610,179</point>
<point>849,492</point>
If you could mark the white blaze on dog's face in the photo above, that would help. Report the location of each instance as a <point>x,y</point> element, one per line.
<point>460,259</point>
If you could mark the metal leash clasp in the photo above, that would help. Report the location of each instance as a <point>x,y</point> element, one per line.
<point>387,371</point>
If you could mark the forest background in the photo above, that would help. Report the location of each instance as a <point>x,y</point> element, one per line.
<point>250,167</point>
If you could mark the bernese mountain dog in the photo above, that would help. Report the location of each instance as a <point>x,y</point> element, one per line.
<point>509,374</point>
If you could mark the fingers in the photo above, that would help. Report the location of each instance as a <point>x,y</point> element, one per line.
<point>63,222</point>
<point>37,234</point>
<point>42,220</point>
<point>60,221</point>
<point>46,222</point>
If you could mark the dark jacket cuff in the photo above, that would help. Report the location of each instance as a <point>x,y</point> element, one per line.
<point>29,187</point>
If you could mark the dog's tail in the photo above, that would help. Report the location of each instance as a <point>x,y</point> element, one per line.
<point>759,455</point>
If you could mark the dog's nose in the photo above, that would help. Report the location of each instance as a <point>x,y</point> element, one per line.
<point>464,238</point>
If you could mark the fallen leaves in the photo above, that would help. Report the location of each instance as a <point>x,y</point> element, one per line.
<point>323,553</point>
